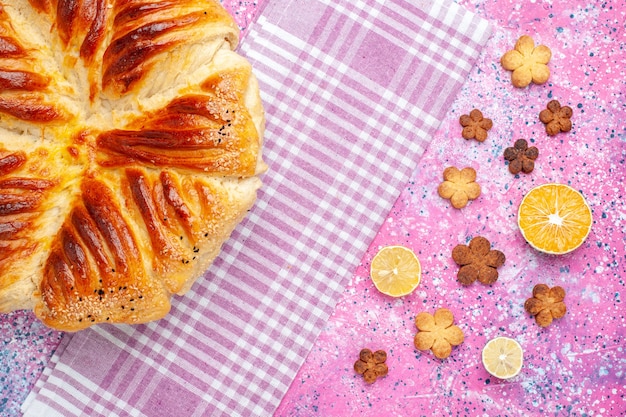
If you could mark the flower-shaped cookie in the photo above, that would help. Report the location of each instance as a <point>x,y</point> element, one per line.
<point>521,158</point>
<point>371,365</point>
<point>478,261</point>
<point>528,63</point>
<point>556,118</point>
<point>459,186</point>
<point>475,126</point>
<point>437,332</point>
<point>546,304</point>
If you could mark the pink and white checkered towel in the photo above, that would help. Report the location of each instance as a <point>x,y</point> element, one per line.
<point>353,92</point>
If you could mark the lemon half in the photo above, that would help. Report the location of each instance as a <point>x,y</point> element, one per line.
<point>503,357</point>
<point>395,271</point>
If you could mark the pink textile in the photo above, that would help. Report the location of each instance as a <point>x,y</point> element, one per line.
<point>354,92</point>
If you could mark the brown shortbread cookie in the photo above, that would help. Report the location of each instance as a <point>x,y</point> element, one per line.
<point>478,261</point>
<point>546,304</point>
<point>521,158</point>
<point>475,125</point>
<point>557,118</point>
<point>371,365</point>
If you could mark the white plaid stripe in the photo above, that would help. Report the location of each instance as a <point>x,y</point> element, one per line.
<point>447,17</point>
<point>235,352</point>
<point>330,62</point>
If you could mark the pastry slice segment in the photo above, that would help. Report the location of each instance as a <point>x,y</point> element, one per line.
<point>183,220</point>
<point>215,127</point>
<point>147,36</point>
<point>27,79</point>
<point>134,238</point>
<point>95,271</point>
<point>31,204</point>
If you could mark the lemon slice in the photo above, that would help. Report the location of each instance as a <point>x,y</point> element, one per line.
<point>395,271</point>
<point>554,218</point>
<point>503,357</point>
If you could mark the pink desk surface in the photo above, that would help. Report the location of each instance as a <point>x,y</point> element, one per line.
<point>577,366</point>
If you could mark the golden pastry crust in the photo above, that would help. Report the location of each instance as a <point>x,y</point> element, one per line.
<point>371,365</point>
<point>477,261</point>
<point>459,186</point>
<point>128,155</point>
<point>475,125</point>
<point>437,332</point>
<point>527,62</point>
<point>26,82</point>
<point>557,118</point>
<point>546,304</point>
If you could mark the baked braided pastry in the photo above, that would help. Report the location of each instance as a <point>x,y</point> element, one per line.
<point>130,148</point>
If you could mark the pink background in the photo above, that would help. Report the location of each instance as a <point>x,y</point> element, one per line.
<point>576,366</point>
